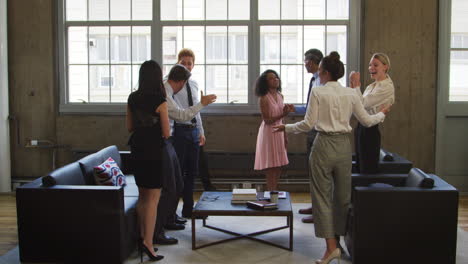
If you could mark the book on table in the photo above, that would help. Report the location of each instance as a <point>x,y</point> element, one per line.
<point>244,195</point>
<point>262,205</point>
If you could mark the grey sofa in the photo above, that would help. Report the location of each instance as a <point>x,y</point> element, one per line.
<point>64,217</point>
<point>402,219</point>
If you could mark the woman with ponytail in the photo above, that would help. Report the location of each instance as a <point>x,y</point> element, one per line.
<point>331,107</point>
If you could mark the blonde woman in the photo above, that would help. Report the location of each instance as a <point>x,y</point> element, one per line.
<point>379,93</point>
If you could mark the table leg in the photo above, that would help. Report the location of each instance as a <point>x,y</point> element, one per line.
<point>193,233</point>
<point>291,229</point>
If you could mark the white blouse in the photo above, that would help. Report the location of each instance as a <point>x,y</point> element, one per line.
<point>377,94</point>
<point>330,109</point>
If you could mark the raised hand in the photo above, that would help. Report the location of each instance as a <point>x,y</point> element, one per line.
<point>354,79</point>
<point>207,99</point>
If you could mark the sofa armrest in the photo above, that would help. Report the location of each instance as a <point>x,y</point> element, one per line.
<point>68,222</point>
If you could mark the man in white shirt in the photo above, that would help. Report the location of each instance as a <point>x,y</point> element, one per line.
<point>312,59</point>
<point>167,207</point>
<point>189,135</point>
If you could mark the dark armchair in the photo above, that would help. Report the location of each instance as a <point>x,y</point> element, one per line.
<point>413,220</point>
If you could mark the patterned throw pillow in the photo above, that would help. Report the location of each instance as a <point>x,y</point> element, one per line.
<point>109,173</point>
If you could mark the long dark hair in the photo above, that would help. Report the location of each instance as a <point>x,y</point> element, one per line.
<point>150,79</point>
<point>261,85</point>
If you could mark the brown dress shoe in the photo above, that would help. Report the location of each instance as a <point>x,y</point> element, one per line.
<point>308,219</point>
<point>306,210</point>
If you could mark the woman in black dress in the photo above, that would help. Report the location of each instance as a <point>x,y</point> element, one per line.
<point>148,120</point>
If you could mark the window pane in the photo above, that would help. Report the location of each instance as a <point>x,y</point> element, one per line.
<point>216,82</point>
<point>291,9</point>
<point>76,10</point>
<point>98,9</point>
<point>314,38</point>
<point>344,80</point>
<point>238,86</point>
<point>269,44</point>
<point>77,45</point>
<point>166,68</point>
<point>458,69</point>
<point>120,9</point>
<point>172,43</point>
<point>314,9</point>
<point>120,45</point>
<point>216,9</point>
<point>336,41</point>
<point>459,22</point>
<point>121,75</point>
<point>238,45</point>
<point>100,83</point>
<point>142,10</point>
<point>239,9</point>
<point>135,76</point>
<point>193,41</point>
<point>337,9</point>
<point>141,44</point>
<point>291,83</point>
<point>198,74</point>
<point>194,10</point>
<point>216,45</point>
<point>99,45</point>
<point>171,9</point>
<point>291,44</point>
<point>78,83</point>
<point>275,67</point>
<point>268,9</point>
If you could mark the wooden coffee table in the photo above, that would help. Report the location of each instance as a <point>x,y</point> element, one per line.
<point>219,203</point>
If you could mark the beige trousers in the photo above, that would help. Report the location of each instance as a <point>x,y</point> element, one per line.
<point>330,165</point>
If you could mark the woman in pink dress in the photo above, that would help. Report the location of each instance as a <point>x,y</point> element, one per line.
<point>271,154</point>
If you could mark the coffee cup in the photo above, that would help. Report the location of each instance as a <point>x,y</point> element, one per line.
<point>274,196</point>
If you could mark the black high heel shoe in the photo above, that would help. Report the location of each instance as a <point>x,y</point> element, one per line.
<point>152,257</point>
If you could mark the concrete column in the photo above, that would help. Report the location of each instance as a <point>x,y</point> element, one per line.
<point>5,159</point>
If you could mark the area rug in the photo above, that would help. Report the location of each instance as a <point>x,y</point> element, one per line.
<point>306,246</point>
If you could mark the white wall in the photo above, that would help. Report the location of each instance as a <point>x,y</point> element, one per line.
<point>5,164</point>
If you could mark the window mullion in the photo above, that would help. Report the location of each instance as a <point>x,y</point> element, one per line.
<point>156,33</point>
<point>254,52</point>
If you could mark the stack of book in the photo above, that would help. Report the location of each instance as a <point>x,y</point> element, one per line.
<point>241,196</point>
<point>262,205</point>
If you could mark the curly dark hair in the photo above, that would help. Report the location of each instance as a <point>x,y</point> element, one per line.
<point>261,85</point>
<point>150,79</point>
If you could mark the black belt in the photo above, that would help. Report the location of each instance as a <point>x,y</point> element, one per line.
<point>191,126</point>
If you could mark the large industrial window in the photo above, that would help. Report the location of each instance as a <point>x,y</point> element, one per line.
<point>103,42</point>
<point>459,52</point>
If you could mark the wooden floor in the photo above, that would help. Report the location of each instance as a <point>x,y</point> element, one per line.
<point>8,227</point>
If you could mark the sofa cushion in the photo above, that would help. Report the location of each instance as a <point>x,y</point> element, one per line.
<point>69,174</point>
<point>113,152</point>
<point>108,173</point>
<point>87,165</point>
<point>417,178</point>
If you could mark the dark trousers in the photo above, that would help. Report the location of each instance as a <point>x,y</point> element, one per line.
<point>187,147</point>
<point>367,145</point>
<point>172,187</point>
<point>203,170</point>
